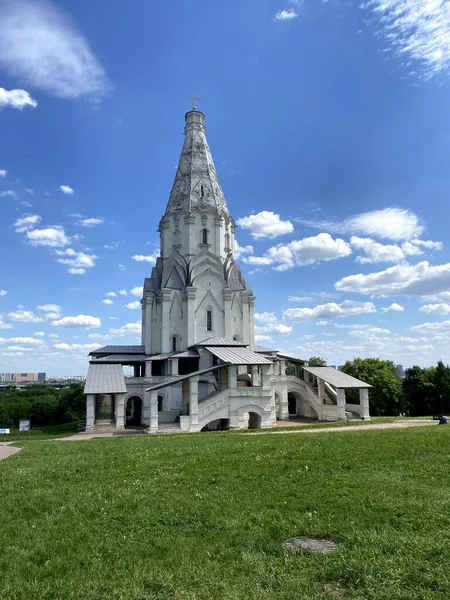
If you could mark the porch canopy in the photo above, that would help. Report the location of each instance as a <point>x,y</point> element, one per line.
<point>336,378</point>
<point>105,379</point>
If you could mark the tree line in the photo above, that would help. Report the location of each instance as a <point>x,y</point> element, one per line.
<point>423,390</point>
<point>42,405</point>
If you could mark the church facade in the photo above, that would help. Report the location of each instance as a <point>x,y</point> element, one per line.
<point>198,366</point>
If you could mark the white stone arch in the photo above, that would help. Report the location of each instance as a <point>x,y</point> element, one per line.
<point>303,408</point>
<point>134,408</point>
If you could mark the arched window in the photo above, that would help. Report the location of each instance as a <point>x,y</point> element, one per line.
<point>209,320</point>
<point>204,236</point>
<point>202,192</point>
<point>174,343</point>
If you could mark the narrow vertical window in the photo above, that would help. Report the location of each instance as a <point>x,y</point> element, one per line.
<point>204,236</point>
<point>174,343</point>
<point>202,192</point>
<point>209,320</point>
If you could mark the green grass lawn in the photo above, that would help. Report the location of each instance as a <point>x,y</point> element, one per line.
<point>40,433</point>
<point>203,517</point>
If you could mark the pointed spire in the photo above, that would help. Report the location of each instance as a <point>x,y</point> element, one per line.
<point>196,186</point>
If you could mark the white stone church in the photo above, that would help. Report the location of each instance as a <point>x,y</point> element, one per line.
<point>198,366</point>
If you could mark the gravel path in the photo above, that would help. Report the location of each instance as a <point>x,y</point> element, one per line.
<point>399,425</point>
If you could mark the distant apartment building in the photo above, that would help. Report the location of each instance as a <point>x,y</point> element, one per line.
<point>42,376</point>
<point>23,377</point>
<point>5,377</point>
<point>400,371</point>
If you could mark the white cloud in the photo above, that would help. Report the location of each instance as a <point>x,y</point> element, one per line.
<point>439,326</point>
<point>286,14</point>
<point>123,293</point>
<point>52,311</point>
<point>39,334</point>
<point>92,222</point>
<point>4,325</point>
<point>136,291</point>
<point>3,172</point>
<point>133,305</point>
<point>3,293</point>
<point>78,321</point>
<point>15,99</point>
<point>273,328</point>
<point>21,340</point>
<point>24,316</point>
<point>150,258</point>
<point>266,317</point>
<point>303,252</point>
<point>299,298</point>
<point>328,311</point>
<point>27,222</point>
<point>112,294</point>
<point>264,338</point>
<point>77,347</point>
<point>40,46</point>
<point>420,279</point>
<point>265,224</point>
<point>242,250</point>
<point>396,224</point>
<point>8,194</point>
<point>54,237</point>
<point>107,301</point>
<point>394,307</point>
<point>417,31</point>
<point>376,252</point>
<point>436,309</point>
<point>129,328</point>
<point>77,261</point>
<point>66,189</point>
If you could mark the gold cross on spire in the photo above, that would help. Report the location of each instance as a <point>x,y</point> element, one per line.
<point>194,99</point>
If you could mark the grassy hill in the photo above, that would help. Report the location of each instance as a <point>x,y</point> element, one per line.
<point>203,517</point>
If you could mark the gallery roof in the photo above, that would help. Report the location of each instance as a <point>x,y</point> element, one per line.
<point>336,378</point>
<point>238,355</point>
<point>105,379</point>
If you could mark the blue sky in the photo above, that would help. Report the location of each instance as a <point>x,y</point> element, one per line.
<point>329,127</point>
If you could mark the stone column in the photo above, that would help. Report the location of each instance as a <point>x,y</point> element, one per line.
<point>146,410</point>
<point>153,412</point>
<point>228,296</point>
<point>364,402</point>
<point>245,317</point>
<point>284,409</point>
<point>148,368</point>
<point>147,307</point>
<point>166,342</point>
<point>217,231</point>
<point>305,373</point>
<point>193,402</point>
<point>255,376</point>
<point>90,412</point>
<point>120,411</point>
<point>282,367</point>
<point>184,395</point>
<point>190,300</point>
<point>341,404</point>
<point>174,366</point>
<point>232,376</point>
<point>321,391</point>
<point>265,377</point>
<point>251,312</point>
<point>189,235</point>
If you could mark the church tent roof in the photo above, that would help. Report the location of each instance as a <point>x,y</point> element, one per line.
<point>105,379</point>
<point>336,378</point>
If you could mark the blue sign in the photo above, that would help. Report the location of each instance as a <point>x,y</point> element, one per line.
<point>4,431</point>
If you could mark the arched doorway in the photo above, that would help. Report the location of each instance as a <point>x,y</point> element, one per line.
<point>254,420</point>
<point>134,411</point>
<point>292,404</point>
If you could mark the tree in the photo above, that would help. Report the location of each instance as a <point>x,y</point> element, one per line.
<point>419,389</point>
<point>385,397</point>
<point>442,383</point>
<point>317,361</point>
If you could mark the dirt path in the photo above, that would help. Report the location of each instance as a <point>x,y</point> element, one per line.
<point>6,451</point>
<point>399,425</point>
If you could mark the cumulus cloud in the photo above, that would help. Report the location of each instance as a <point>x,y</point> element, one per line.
<point>77,347</point>
<point>54,237</point>
<point>39,334</point>
<point>127,329</point>
<point>328,311</point>
<point>376,252</point>
<point>3,293</point>
<point>287,14</point>
<point>150,258</point>
<point>108,301</point>
<point>77,261</point>
<point>78,321</point>
<point>396,224</point>
<point>265,224</point>
<point>28,222</point>
<point>270,324</point>
<point>111,294</point>
<point>21,340</point>
<point>414,280</point>
<point>4,325</point>
<point>24,316</point>
<point>417,32</point>
<point>242,250</point>
<point>394,307</point>
<point>123,292</point>
<point>136,291</point>
<point>51,311</point>
<point>3,173</point>
<point>42,47</point>
<point>16,99</point>
<point>439,326</point>
<point>441,308</point>
<point>66,189</point>
<point>92,222</point>
<point>8,193</point>
<point>299,253</point>
<point>264,338</point>
<point>133,305</point>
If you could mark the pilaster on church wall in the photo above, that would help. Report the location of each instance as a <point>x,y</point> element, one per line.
<point>166,297</point>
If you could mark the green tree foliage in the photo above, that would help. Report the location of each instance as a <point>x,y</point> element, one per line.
<point>43,405</point>
<point>420,391</point>
<point>317,361</point>
<point>386,396</point>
